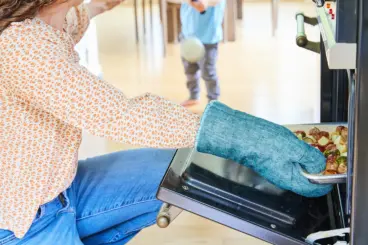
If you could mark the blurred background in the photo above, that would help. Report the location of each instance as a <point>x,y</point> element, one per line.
<point>261,71</point>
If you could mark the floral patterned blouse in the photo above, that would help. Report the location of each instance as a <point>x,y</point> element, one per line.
<point>47,98</point>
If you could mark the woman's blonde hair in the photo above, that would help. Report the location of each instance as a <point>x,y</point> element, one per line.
<point>19,10</point>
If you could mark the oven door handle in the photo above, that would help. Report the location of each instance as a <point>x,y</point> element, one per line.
<point>301,38</point>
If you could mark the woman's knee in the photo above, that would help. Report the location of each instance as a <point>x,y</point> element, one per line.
<point>140,171</point>
<point>122,160</point>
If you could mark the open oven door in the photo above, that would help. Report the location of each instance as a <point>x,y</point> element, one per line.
<point>235,196</point>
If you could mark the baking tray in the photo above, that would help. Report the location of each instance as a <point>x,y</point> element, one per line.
<point>325,179</point>
<point>320,178</point>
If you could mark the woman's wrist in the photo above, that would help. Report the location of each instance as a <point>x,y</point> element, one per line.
<point>216,130</point>
<point>96,7</point>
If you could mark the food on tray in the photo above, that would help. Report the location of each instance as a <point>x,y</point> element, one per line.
<point>333,145</point>
<point>319,147</point>
<point>331,164</point>
<point>323,141</point>
<point>314,131</point>
<point>342,160</point>
<point>300,134</point>
<point>343,164</point>
<point>344,134</point>
<point>324,134</point>
<point>339,129</point>
<point>332,152</point>
<point>342,148</point>
<point>309,140</point>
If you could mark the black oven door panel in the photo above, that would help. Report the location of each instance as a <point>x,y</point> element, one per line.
<point>235,196</point>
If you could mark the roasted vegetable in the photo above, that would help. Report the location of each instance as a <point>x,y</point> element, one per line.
<point>300,134</point>
<point>331,147</point>
<point>342,160</point>
<point>342,148</point>
<point>329,172</point>
<point>332,166</point>
<point>339,141</point>
<point>321,148</point>
<point>342,169</point>
<point>334,136</point>
<point>321,134</point>
<point>324,148</point>
<point>328,153</point>
<point>314,145</point>
<point>318,147</point>
<point>314,131</point>
<point>331,158</point>
<point>339,129</point>
<point>344,135</point>
<point>309,140</point>
<point>323,141</point>
<point>324,134</point>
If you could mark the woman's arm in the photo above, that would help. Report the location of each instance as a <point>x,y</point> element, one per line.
<point>77,97</point>
<point>77,19</point>
<point>77,22</point>
<point>96,7</point>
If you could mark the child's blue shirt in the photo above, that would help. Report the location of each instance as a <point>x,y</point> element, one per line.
<point>206,27</point>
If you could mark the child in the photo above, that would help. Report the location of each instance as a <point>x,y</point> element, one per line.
<point>203,20</point>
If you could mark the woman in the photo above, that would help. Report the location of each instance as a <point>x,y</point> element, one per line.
<point>46,99</point>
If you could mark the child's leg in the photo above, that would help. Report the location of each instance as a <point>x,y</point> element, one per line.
<point>192,73</point>
<point>209,73</point>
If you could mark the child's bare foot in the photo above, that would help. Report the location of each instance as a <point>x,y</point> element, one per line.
<point>190,102</point>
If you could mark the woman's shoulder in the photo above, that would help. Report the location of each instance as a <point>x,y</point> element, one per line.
<point>24,39</point>
<point>17,30</point>
<point>17,36</point>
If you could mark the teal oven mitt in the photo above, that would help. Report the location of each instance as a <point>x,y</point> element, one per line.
<point>271,150</point>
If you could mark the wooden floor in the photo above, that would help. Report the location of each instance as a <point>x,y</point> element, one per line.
<point>265,76</point>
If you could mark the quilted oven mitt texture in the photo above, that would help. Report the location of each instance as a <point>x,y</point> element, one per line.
<point>271,150</point>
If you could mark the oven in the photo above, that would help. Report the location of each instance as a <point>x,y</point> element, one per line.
<point>235,196</point>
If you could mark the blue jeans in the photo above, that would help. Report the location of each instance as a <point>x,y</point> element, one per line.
<point>111,199</point>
